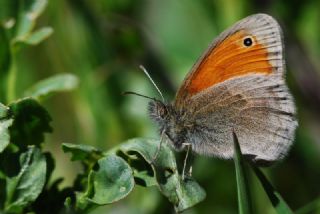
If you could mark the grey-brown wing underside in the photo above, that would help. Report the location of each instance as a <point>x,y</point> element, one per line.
<point>258,108</point>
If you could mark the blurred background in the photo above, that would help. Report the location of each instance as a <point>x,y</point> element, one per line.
<point>104,41</point>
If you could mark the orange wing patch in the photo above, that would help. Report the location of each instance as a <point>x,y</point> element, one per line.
<point>229,59</point>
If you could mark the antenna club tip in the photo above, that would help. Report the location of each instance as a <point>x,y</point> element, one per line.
<point>142,68</point>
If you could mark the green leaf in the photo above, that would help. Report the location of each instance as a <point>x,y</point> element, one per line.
<point>30,123</point>
<point>276,199</point>
<point>182,193</point>
<point>37,36</point>
<point>112,180</point>
<point>5,123</point>
<point>109,181</point>
<point>84,153</point>
<point>51,199</point>
<point>244,199</point>
<point>4,111</point>
<point>28,184</point>
<point>115,173</point>
<point>29,11</point>
<point>58,83</point>
<point>143,172</point>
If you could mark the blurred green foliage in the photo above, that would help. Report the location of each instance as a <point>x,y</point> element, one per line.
<point>103,42</point>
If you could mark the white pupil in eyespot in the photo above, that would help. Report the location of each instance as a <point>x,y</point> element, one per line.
<point>247,42</point>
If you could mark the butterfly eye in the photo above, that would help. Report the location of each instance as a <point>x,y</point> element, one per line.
<point>162,112</point>
<point>247,41</point>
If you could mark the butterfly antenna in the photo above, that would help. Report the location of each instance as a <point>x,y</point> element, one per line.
<point>151,80</point>
<point>137,94</point>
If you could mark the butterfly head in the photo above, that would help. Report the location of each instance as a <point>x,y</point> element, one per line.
<point>160,112</point>
<point>170,123</point>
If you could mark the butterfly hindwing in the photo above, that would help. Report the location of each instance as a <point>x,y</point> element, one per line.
<point>259,110</point>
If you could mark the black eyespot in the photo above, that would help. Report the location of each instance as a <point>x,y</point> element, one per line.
<point>247,42</point>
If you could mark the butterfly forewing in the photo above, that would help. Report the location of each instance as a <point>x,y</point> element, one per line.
<point>229,57</point>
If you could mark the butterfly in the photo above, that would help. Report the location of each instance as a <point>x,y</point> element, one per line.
<point>237,86</point>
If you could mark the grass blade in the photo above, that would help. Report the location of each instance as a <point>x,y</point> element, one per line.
<point>312,207</point>
<point>276,199</point>
<point>244,198</point>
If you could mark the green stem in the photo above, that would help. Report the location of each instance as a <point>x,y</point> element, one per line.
<point>11,81</point>
<point>244,196</point>
<point>311,207</point>
<point>275,198</point>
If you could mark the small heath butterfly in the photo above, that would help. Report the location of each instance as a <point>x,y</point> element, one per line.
<point>238,85</point>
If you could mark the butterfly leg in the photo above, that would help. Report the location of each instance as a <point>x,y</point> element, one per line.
<point>159,147</point>
<point>188,145</point>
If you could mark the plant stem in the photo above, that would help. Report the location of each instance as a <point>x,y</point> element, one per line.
<point>311,207</point>
<point>11,81</point>
<point>276,199</point>
<point>244,197</point>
